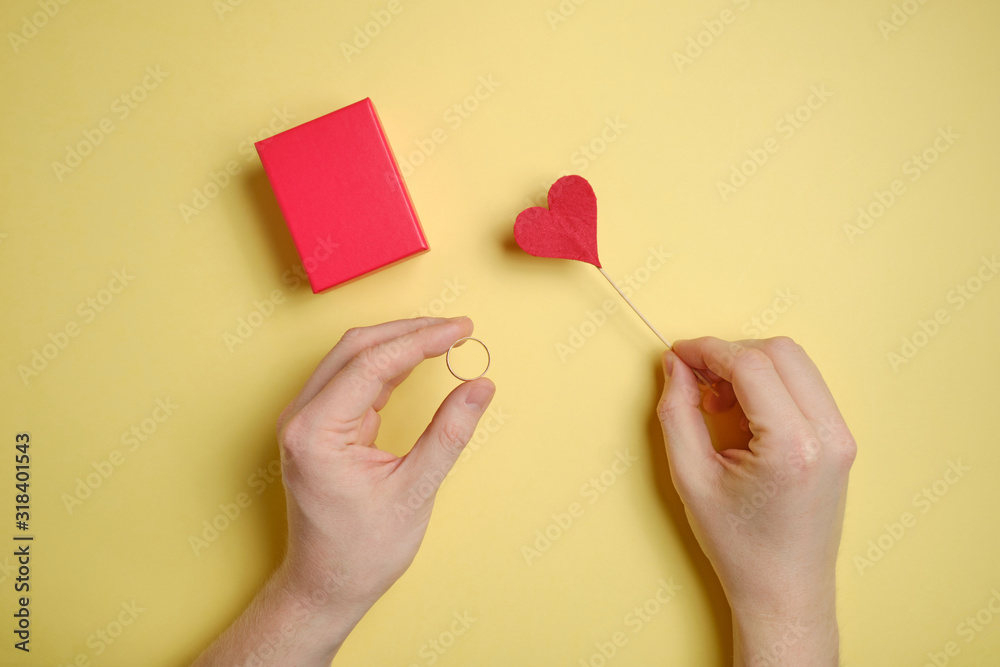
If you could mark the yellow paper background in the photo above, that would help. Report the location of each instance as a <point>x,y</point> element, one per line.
<point>563,79</point>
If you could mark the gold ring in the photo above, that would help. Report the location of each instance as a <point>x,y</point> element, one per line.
<point>447,359</point>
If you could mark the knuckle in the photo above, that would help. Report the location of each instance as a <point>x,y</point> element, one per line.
<point>667,409</point>
<point>368,357</point>
<point>351,343</point>
<point>368,362</point>
<point>663,410</point>
<point>732,348</point>
<point>675,401</point>
<point>848,451</point>
<point>804,450</point>
<point>352,335</point>
<point>782,346</point>
<point>453,437</point>
<point>294,435</point>
<point>836,435</point>
<point>752,359</point>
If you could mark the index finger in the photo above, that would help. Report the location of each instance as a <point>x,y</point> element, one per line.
<point>354,389</point>
<point>759,389</point>
<point>353,342</point>
<point>802,378</point>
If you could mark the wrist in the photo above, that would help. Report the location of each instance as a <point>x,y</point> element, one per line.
<point>318,604</point>
<point>799,633</point>
<point>284,625</point>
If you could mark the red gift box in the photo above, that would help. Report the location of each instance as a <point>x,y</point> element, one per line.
<point>343,198</point>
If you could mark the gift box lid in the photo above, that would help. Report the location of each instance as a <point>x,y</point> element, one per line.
<point>342,196</point>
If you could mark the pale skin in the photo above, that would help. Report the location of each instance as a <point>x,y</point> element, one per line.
<point>769,517</point>
<point>357,514</point>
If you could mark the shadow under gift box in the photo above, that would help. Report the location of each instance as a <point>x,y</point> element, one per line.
<point>342,195</point>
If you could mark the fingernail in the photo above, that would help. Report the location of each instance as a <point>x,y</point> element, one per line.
<point>456,319</point>
<point>668,363</point>
<point>480,395</point>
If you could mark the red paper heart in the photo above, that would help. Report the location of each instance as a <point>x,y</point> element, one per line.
<point>567,229</point>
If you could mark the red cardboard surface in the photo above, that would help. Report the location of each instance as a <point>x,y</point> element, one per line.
<point>567,229</point>
<point>343,198</point>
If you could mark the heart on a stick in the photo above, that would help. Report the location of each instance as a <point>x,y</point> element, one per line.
<point>567,229</point>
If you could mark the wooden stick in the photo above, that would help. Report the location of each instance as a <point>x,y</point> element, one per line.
<point>697,373</point>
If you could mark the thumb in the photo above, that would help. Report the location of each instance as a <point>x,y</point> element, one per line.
<point>689,445</point>
<point>453,425</point>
